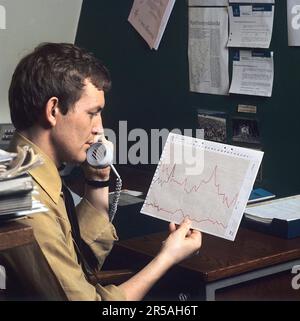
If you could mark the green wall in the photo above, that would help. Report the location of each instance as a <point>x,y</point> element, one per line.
<point>151,88</point>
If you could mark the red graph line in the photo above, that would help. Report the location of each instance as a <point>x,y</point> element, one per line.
<point>195,188</point>
<point>161,209</point>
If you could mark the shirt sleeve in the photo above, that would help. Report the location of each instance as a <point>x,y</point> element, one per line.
<point>96,230</point>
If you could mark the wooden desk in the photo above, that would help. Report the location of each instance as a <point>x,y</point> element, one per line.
<point>13,234</point>
<point>16,237</point>
<point>255,266</point>
<point>223,270</point>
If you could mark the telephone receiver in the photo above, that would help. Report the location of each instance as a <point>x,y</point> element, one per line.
<point>101,155</point>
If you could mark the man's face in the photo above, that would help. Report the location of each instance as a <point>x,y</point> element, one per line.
<point>76,131</point>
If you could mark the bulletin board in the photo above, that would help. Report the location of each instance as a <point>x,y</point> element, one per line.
<point>151,88</point>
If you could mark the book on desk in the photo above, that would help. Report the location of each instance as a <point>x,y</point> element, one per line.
<point>259,194</point>
<point>280,217</point>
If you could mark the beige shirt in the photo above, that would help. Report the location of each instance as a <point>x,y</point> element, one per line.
<point>52,231</point>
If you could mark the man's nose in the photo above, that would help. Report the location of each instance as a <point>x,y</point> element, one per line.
<point>97,126</point>
<point>97,130</point>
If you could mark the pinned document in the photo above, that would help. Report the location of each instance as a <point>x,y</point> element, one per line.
<point>150,18</point>
<point>208,55</point>
<point>253,73</point>
<point>250,25</point>
<point>209,3</point>
<point>251,1</point>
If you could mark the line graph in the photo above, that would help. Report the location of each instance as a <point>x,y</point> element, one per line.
<point>184,215</point>
<point>195,188</point>
<point>215,197</point>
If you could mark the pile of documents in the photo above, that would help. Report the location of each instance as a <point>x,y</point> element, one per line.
<point>15,194</point>
<point>17,191</point>
<point>286,209</point>
<point>16,164</point>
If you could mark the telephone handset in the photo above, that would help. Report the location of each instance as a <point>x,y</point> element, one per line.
<point>101,155</point>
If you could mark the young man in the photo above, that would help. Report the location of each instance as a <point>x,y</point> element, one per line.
<point>56,98</point>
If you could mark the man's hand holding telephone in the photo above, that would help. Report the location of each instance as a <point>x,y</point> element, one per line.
<point>99,159</point>
<point>97,169</point>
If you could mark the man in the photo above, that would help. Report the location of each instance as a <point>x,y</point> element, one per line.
<point>56,98</point>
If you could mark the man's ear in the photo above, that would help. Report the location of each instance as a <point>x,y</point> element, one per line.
<point>52,111</point>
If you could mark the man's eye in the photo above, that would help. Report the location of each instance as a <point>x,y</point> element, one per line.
<point>95,114</point>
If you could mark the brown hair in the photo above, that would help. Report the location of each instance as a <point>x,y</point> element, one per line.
<point>52,70</point>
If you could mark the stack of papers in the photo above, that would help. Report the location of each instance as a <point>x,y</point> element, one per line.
<point>21,206</point>
<point>17,191</point>
<point>287,208</point>
<point>13,165</point>
<point>6,156</point>
<point>15,194</point>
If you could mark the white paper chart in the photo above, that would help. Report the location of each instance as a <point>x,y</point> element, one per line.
<point>207,182</point>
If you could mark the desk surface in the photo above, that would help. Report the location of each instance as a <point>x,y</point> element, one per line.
<point>13,234</point>
<point>220,258</point>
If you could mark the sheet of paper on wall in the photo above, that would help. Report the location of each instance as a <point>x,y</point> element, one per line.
<point>293,17</point>
<point>209,3</point>
<point>150,18</point>
<point>250,25</point>
<point>208,55</point>
<point>208,182</point>
<point>253,73</point>
<point>251,1</point>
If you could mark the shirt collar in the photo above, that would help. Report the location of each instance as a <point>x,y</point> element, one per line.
<point>46,175</point>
